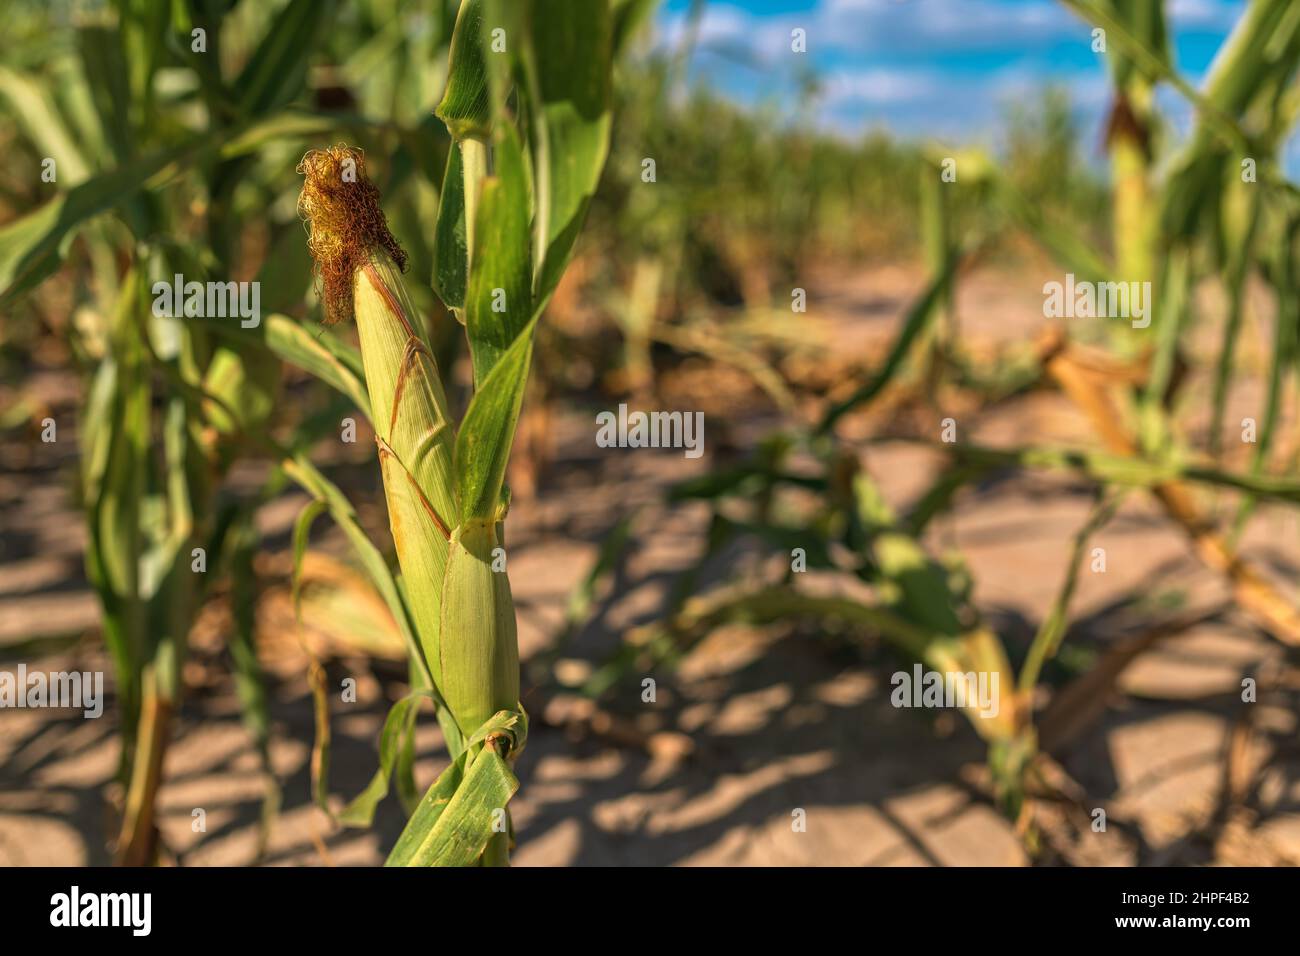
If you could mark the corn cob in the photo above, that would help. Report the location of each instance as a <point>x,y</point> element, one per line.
<point>515,193</point>
<point>462,609</point>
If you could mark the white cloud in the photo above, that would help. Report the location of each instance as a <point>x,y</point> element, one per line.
<point>941,25</point>
<point>1205,14</point>
<point>881,85</point>
<point>726,27</point>
<point>718,22</point>
<point>1088,91</point>
<point>867,27</point>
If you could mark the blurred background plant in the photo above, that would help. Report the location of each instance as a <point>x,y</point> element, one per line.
<point>1215,206</point>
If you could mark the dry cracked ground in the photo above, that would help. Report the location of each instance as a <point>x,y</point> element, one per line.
<point>755,725</point>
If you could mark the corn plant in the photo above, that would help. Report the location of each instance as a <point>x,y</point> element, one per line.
<point>1207,207</point>
<point>149,480</point>
<point>168,178</point>
<point>515,191</point>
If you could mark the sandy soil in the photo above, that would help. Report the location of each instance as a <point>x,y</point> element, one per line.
<point>757,724</point>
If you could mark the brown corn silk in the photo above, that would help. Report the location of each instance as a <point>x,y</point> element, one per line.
<point>346,223</point>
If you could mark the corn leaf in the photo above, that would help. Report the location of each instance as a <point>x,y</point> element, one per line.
<point>323,354</point>
<point>572,44</point>
<point>464,106</point>
<point>32,247</point>
<point>917,320</point>
<point>104,63</point>
<point>408,851</point>
<point>276,72</point>
<point>454,822</point>
<point>397,728</point>
<point>320,751</point>
<point>301,470</point>
<point>628,17</point>
<point>498,299</point>
<point>488,429</point>
<point>33,105</point>
<point>450,253</point>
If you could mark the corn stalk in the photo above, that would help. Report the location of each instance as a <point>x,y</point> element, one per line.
<point>514,195</point>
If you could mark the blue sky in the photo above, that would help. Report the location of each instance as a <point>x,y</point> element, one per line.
<point>929,68</point>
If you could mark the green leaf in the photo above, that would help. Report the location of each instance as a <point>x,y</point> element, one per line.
<point>918,319</point>
<point>450,252</point>
<point>582,596</point>
<point>1051,630</point>
<point>250,679</point>
<point>922,592</point>
<point>391,589</point>
<point>143,26</point>
<point>301,534</point>
<point>32,247</point>
<point>290,125</point>
<point>115,443</point>
<point>1145,22</point>
<point>397,728</point>
<point>1124,469</point>
<point>247,384</point>
<point>488,430</point>
<point>629,15</point>
<point>572,42</point>
<point>286,272</point>
<point>320,763</point>
<point>301,470</point>
<point>42,121</point>
<point>454,822</point>
<point>1257,59</point>
<point>464,107</point>
<point>498,299</point>
<point>1062,241</point>
<point>408,850</point>
<point>276,72</point>
<point>104,65</point>
<point>321,353</point>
